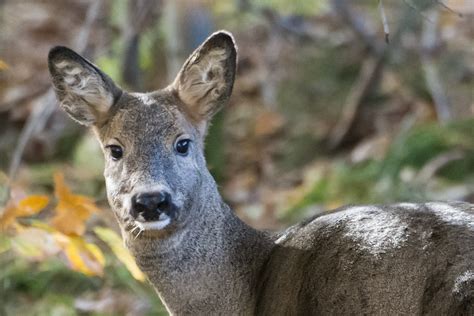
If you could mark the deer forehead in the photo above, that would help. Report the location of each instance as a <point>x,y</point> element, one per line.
<point>142,118</point>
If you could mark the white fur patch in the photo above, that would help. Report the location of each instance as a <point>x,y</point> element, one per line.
<point>144,98</point>
<point>461,281</point>
<point>451,215</point>
<point>163,221</point>
<point>283,237</point>
<point>376,232</point>
<point>410,206</point>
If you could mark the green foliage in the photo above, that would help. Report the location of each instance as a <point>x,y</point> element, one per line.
<point>44,284</point>
<point>50,288</point>
<point>317,195</point>
<point>214,147</point>
<point>302,7</point>
<point>88,153</point>
<point>382,181</point>
<point>311,98</point>
<point>111,66</point>
<point>416,147</point>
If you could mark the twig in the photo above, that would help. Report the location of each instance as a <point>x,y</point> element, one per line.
<point>46,103</point>
<point>384,22</point>
<point>343,9</point>
<point>174,42</point>
<point>441,3</point>
<point>367,78</point>
<point>82,39</point>
<point>432,77</point>
<point>42,110</point>
<point>437,163</point>
<point>9,104</point>
<point>414,7</point>
<point>370,71</point>
<point>141,15</point>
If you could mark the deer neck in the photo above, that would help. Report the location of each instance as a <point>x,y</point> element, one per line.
<point>212,265</point>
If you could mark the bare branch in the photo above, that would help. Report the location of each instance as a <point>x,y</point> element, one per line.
<point>384,22</point>
<point>46,104</point>
<point>414,7</point>
<point>441,3</point>
<point>370,71</point>
<point>344,10</point>
<point>429,42</point>
<point>437,163</point>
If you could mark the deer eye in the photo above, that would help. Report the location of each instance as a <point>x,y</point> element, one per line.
<point>115,151</point>
<point>182,146</point>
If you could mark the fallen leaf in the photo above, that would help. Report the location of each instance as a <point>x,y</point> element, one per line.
<point>84,257</point>
<point>3,65</point>
<point>69,223</point>
<point>72,210</point>
<point>268,123</point>
<point>28,206</point>
<point>31,205</point>
<point>115,243</point>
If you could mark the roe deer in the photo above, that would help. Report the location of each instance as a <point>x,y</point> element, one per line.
<point>401,259</point>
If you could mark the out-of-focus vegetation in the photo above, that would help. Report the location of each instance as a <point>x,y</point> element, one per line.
<point>324,113</point>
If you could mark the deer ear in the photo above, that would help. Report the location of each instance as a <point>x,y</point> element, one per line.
<point>84,92</point>
<point>205,81</point>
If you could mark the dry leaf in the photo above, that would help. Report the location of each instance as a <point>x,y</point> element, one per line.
<point>3,65</point>
<point>28,206</point>
<point>31,205</point>
<point>115,243</point>
<point>72,210</point>
<point>268,123</point>
<point>83,256</point>
<point>69,224</point>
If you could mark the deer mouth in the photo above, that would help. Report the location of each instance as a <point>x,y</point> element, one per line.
<point>154,220</point>
<point>162,222</point>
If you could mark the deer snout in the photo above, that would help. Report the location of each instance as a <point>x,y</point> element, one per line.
<point>149,206</point>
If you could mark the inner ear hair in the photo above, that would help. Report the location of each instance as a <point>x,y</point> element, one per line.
<point>80,82</point>
<point>84,92</point>
<point>205,82</point>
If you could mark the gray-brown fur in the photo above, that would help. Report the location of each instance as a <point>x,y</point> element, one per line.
<point>390,260</point>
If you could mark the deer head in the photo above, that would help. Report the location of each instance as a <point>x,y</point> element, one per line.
<point>155,170</point>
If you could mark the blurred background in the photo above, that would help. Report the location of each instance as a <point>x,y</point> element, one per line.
<point>335,102</point>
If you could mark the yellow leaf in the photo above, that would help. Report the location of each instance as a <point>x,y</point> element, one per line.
<point>96,253</point>
<point>8,216</point>
<point>72,211</point>
<point>31,205</point>
<point>42,225</point>
<point>115,243</point>
<point>60,188</point>
<point>3,65</point>
<point>84,257</point>
<point>26,207</point>
<point>69,224</point>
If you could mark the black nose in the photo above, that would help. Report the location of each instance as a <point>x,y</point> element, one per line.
<point>150,205</point>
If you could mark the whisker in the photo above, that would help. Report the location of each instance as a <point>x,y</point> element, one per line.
<point>134,229</point>
<point>141,230</point>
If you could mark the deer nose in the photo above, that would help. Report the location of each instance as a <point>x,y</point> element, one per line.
<point>150,205</point>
